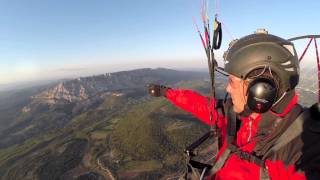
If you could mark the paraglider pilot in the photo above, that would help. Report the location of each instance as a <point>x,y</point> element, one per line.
<point>273,140</point>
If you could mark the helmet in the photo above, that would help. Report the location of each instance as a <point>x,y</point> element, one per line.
<point>262,50</point>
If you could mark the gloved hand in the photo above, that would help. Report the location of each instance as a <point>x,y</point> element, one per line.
<point>156,90</point>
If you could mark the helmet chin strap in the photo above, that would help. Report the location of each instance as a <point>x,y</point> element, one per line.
<point>282,96</point>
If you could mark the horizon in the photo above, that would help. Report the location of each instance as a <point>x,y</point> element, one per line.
<point>42,40</point>
<point>40,82</point>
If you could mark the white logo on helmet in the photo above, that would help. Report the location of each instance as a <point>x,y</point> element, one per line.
<point>260,100</point>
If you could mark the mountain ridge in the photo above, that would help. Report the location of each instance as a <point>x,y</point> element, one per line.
<point>53,107</point>
<point>109,130</point>
<point>70,137</point>
<point>85,87</point>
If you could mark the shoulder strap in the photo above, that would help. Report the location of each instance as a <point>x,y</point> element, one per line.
<point>293,131</point>
<point>232,149</point>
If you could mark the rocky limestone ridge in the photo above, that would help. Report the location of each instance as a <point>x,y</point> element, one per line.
<point>85,87</point>
<point>61,92</point>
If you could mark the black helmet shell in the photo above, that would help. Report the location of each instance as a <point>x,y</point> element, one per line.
<point>263,50</point>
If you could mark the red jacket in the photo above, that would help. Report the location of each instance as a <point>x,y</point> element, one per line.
<point>235,168</point>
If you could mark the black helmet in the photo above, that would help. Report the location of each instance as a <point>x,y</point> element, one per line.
<point>263,50</point>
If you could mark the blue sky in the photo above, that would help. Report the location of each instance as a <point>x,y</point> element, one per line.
<point>43,39</point>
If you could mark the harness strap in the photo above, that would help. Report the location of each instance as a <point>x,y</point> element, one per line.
<point>232,149</point>
<point>221,161</point>
<point>264,175</point>
<point>189,150</point>
<point>246,156</point>
<point>293,131</point>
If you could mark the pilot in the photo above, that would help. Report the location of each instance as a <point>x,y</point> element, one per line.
<point>263,73</point>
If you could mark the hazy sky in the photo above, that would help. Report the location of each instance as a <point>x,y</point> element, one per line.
<point>42,39</point>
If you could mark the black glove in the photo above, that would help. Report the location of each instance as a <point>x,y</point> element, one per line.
<point>157,90</point>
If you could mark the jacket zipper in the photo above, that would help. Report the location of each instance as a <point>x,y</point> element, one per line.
<point>250,129</point>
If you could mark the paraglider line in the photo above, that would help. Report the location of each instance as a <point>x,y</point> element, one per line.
<point>197,29</point>
<point>305,50</point>
<point>318,63</point>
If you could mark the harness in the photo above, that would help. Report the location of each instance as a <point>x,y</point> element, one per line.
<point>293,130</point>
<point>232,128</point>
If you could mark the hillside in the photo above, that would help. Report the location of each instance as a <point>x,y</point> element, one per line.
<point>99,127</point>
<point>55,106</point>
<point>107,130</point>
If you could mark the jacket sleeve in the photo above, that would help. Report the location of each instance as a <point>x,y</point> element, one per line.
<point>278,171</point>
<point>195,103</point>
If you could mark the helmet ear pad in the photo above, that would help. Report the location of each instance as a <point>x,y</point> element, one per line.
<point>261,93</point>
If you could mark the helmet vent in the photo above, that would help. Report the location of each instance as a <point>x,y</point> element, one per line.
<point>290,48</point>
<point>286,63</point>
<point>289,69</point>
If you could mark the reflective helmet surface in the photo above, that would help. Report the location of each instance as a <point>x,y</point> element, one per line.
<point>263,50</point>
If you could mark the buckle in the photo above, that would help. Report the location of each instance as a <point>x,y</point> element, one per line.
<point>244,155</point>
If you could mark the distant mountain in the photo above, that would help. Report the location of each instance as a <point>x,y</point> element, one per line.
<point>108,121</point>
<point>13,101</point>
<point>54,106</point>
<point>83,88</point>
<point>100,127</point>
